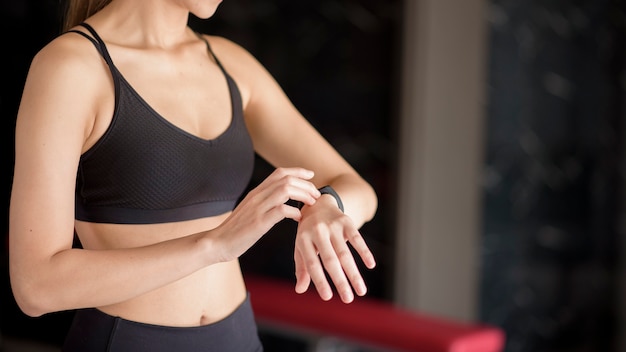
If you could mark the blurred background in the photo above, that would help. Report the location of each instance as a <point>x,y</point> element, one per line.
<point>492,131</point>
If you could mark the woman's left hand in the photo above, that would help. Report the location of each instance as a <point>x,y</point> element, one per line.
<point>322,244</point>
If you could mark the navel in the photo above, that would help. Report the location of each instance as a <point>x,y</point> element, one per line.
<point>204,320</point>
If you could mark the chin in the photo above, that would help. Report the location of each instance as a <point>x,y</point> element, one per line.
<point>206,9</point>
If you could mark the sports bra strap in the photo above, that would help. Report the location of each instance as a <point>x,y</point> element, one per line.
<point>208,46</point>
<point>99,44</point>
<point>95,43</point>
<point>103,49</point>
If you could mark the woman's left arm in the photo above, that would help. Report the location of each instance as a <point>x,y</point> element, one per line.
<point>283,137</point>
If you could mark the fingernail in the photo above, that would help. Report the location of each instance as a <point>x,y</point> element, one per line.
<point>363,290</point>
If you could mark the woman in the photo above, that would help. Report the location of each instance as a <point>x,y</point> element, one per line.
<point>138,134</point>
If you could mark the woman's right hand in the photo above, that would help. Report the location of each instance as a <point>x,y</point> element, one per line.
<point>262,208</point>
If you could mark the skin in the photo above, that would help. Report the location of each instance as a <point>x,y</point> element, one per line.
<point>184,273</point>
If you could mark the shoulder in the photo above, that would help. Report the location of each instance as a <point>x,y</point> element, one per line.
<point>68,68</point>
<point>226,49</point>
<point>66,59</point>
<point>236,59</point>
<point>67,83</point>
<point>251,76</point>
<point>68,48</point>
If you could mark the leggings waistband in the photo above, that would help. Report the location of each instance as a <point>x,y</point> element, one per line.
<point>94,330</point>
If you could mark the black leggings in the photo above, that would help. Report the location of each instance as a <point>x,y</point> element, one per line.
<point>93,330</point>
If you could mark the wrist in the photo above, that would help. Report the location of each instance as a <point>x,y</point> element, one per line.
<point>328,190</point>
<point>212,247</point>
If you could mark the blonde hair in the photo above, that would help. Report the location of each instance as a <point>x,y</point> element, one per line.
<point>79,10</point>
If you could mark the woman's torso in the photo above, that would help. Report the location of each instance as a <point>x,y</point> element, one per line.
<point>201,298</point>
<point>197,101</point>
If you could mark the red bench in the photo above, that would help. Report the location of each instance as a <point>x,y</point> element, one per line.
<point>366,321</point>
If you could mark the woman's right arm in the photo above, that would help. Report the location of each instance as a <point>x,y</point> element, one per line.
<point>62,97</point>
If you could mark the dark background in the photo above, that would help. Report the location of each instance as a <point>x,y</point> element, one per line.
<point>553,187</point>
<point>554,174</point>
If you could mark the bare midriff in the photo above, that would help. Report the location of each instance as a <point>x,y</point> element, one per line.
<point>204,297</point>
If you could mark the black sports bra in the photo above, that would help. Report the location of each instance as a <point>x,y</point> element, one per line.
<point>146,170</point>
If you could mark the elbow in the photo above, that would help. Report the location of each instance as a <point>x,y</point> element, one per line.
<point>29,303</point>
<point>32,301</point>
<point>30,311</point>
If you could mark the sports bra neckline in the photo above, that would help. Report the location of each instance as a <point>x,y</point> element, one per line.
<point>171,124</point>
<point>116,72</point>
